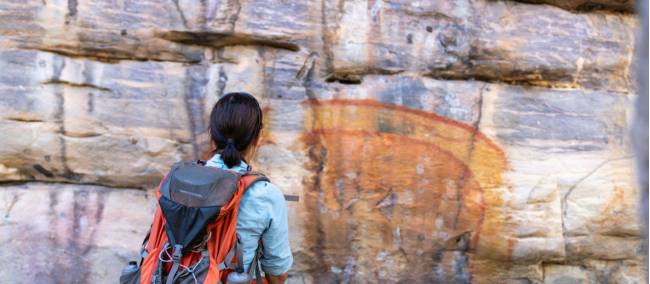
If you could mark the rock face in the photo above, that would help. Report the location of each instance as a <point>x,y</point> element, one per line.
<point>70,233</point>
<point>430,141</point>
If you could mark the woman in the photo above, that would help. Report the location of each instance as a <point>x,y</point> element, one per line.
<point>235,126</point>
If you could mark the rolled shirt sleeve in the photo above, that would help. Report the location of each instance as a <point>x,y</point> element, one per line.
<point>263,215</point>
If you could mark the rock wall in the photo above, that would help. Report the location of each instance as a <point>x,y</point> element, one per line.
<point>430,141</point>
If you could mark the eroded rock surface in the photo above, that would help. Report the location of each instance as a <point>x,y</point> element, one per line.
<point>65,233</point>
<point>430,141</point>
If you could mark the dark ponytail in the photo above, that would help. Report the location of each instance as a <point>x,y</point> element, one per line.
<point>235,124</point>
<point>230,155</point>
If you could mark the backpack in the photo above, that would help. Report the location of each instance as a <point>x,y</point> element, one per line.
<point>193,235</point>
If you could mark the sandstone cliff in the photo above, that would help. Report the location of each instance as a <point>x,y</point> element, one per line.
<point>430,141</point>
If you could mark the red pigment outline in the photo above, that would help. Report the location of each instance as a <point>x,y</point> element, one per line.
<point>449,121</point>
<point>433,116</point>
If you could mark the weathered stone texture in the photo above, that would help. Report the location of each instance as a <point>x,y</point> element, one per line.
<point>502,41</point>
<point>56,233</point>
<point>430,141</point>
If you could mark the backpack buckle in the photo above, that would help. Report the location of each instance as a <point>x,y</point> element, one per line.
<point>176,256</point>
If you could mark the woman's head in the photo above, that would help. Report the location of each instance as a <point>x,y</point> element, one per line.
<point>235,125</point>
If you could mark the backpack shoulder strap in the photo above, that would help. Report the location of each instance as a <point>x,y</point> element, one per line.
<point>251,178</point>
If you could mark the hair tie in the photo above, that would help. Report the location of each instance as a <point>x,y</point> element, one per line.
<point>230,141</point>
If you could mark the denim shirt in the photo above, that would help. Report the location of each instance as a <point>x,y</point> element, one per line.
<point>262,215</point>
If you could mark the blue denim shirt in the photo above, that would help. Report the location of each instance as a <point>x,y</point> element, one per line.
<point>262,215</point>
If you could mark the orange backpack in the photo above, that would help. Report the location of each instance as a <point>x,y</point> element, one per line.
<point>193,235</point>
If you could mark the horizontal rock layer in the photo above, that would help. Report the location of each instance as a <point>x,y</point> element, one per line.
<point>489,41</point>
<point>447,141</point>
<point>587,5</point>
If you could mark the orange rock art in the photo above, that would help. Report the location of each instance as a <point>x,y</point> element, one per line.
<point>397,193</point>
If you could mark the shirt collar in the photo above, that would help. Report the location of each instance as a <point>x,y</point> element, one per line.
<point>217,162</point>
